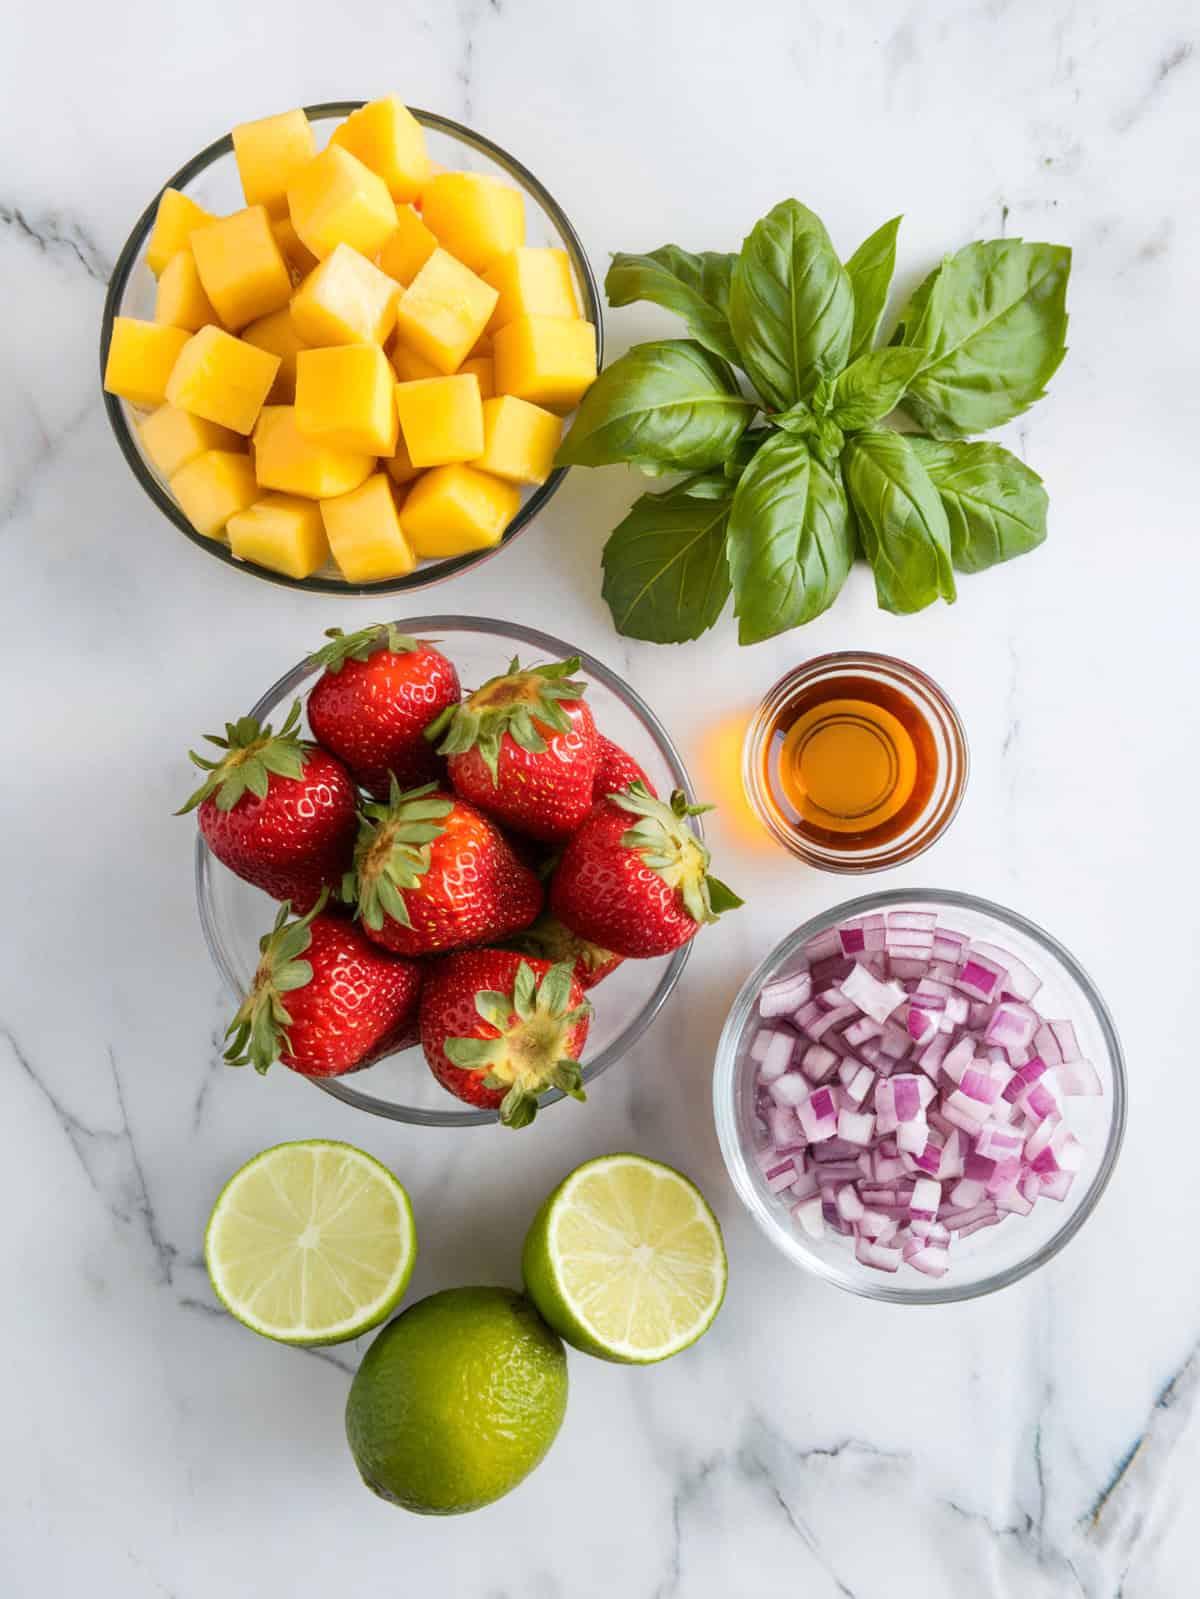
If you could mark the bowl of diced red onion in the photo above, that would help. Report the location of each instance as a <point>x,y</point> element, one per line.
<point>920,1096</point>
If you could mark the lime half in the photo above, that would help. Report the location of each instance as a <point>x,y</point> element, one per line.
<point>311,1243</point>
<point>625,1260</point>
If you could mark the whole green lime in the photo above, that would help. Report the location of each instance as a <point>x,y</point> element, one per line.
<point>456,1401</point>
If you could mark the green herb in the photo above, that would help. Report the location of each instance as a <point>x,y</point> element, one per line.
<point>776,509</point>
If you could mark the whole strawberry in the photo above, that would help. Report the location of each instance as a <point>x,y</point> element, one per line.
<point>378,693</point>
<point>499,1030</point>
<point>523,748</point>
<point>615,770</point>
<point>278,812</point>
<point>325,1000</point>
<point>634,878</point>
<point>432,873</point>
<point>549,940</point>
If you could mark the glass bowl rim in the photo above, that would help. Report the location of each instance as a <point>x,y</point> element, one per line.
<point>431,572</point>
<point>735,1158</point>
<point>556,648</point>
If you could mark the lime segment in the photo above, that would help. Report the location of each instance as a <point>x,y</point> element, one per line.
<point>311,1243</point>
<point>625,1260</point>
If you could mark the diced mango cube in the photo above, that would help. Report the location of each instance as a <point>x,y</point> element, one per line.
<point>484,369</point>
<point>345,300</point>
<point>296,253</point>
<point>222,378</point>
<point>475,216</point>
<point>454,509</point>
<point>336,200</point>
<point>281,532</point>
<point>482,346</point>
<point>269,153</point>
<point>241,266</point>
<point>443,311</point>
<point>214,487</point>
<point>277,335</point>
<point>399,465</point>
<point>365,535</point>
<point>386,137</point>
<point>172,438</point>
<point>177,217</point>
<point>531,283</point>
<point>519,440</point>
<point>409,366</point>
<point>345,396</point>
<point>547,360</point>
<point>441,419</point>
<point>285,460</point>
<point>141,356</point>
<point>180,301</point>
<point>408,248</point>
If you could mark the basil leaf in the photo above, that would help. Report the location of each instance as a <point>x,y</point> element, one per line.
<point>870,270</point>
<point>695,287</point>
<point>669,406</point>
<point>994,323</point>
<point>791,307</point>
<point>901,523</point>
<point>873,385</point>
<point>744,451</point>
<point>711,485</point>
<point>994,503</point>
<point>665,574</point>
<point>790,540</point>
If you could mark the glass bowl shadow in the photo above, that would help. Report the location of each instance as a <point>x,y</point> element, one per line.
<point>233,915</point>
<point>994,1257</point>
<point>211,178</point>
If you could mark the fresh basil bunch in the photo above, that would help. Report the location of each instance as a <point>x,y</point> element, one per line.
<point>792,477</point>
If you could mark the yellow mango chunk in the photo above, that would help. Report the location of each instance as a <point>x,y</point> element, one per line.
<point>365,535</point>
<point>172,438</point>
<point>441,419</point>
<point>141,356</point>
<point>399,465</point>
<point>214,487</point>
<point>281,532</point>
<point>336,200</point>
<point>277,335</point>
<point>484,369</point>
<point>180,301</point>
<point>519,440</point>
<point>177,217</point>
<point>443,311</point>
<point>531,283</point>
<point>269,153</point>
<point>285,460</point>
<point>409,366</point>
<point>547,360</point>
<point>406,251</point>
<point>475,216</point>
<point>295,252</point>
<point>222,378</point>
<point>241,266</point>
<point>345,396</point>
<point>345,300</point>
<point>454,509</point>
<point>386,137</point>
<point>482,346</point>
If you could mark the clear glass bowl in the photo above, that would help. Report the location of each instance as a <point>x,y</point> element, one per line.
<point>211,179</point>
<point>994,1257</point>
<point>856,852</point>
<point>234,915</point>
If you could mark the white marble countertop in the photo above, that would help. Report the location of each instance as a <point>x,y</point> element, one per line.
<point>1038,1443</point>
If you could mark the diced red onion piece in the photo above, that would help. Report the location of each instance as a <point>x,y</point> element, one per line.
<point>850,1206</point>
<point>877,1255</point>
<point>978,977</point>
<point>818,1063</point>
<point>785,995</point>
<point>810,1215</point>
<point>790,1089</point>
<point>873,998</point>
<point>1078,1077</point>
<point>1019,981</point>
<point>856,1127</point>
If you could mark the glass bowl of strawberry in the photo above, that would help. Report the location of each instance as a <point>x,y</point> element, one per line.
<point>478,827</point>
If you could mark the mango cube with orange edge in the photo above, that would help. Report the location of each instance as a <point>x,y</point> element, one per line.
<point>272,322</point>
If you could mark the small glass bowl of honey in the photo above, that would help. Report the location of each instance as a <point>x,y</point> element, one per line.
<point>855,762</point>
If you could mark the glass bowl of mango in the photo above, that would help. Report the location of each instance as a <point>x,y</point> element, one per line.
<point>340,347</point>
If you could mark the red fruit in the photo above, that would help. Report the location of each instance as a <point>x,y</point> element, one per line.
<point>549,940</point>
<point>325,1000</point>
<point>523,748</point>
<point>616,770</point>
<point>277,811</point>
<point>635,877</point>
<point>432,873</point>
<point>379,692</point>
<point>498,1030</point>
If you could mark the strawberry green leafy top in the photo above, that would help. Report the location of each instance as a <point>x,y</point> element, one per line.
<point>360,646</point>
<point>670,848</point>
<point>258,1034</point>
<point>393,851</point>
<point>252,753</point>
<point>515,703</point>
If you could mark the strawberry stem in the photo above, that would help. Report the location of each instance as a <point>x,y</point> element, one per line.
<point>360,646</point>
